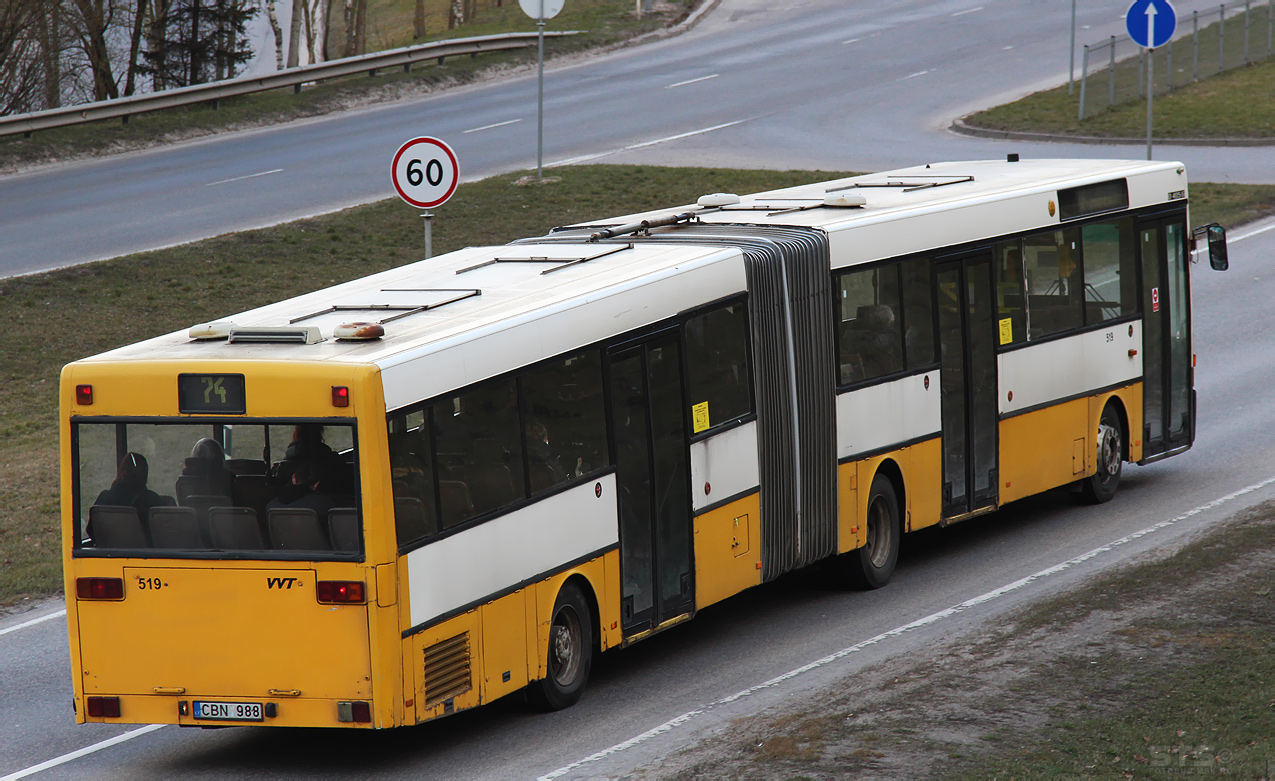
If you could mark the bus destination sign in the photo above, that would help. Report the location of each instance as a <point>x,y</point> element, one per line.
<point>219,394</point>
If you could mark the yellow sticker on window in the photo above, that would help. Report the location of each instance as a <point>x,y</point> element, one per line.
<point>699,417</point>
<point>1007,330</point>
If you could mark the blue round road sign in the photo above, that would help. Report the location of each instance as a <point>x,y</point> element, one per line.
<point>1151,22</point>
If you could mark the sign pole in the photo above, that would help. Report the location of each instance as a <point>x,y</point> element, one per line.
<point>540,96</point>
<point>1071,74</point>
<point>429,234</point>
<point>1151,12</point>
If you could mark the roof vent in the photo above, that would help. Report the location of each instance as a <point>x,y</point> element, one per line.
<point>276,335</point>
<point>717,200</point>
<point>358,332</point>
<point>845,200</point>
<point>211,331</point>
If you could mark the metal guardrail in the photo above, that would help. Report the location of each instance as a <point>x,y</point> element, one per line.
<point>245,85</point>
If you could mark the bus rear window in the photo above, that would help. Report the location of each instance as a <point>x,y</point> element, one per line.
<point>242,490</point>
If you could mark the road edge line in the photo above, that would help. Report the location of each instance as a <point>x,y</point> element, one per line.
<point>137,733</point>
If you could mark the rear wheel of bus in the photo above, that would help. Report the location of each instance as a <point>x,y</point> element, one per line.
<point>872,565</point>
<point>1101,487</point>
<point>570,652</point>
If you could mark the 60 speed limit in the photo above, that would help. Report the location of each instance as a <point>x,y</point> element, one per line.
<point>425,172</point>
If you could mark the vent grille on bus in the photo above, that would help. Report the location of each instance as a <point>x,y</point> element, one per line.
<point>276,335</point>
<point>447,669</point>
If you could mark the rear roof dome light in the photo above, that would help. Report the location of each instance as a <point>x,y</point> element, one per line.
<point>358,332</point>
<point>211,331</point>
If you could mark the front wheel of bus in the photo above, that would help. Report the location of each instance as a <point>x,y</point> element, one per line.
<point>1110,455</point>
<point>570,652</point>
<point>872,565</point>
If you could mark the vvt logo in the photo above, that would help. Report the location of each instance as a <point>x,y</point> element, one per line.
<point>281,583</point>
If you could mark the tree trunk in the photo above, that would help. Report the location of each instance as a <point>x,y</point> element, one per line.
<point>300,10</point>
<point>50,53</point>
<point>278,34</point>
<point>99,56</point>
<point>457,16</point>
<point>135,47</point>
<point>418,21</point>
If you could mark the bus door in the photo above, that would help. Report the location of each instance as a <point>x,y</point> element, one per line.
<point>966,317</point>
<point>648,422</point>
<point>1167,408</point>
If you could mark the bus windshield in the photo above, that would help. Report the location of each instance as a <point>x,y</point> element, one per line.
<point>251,489</point>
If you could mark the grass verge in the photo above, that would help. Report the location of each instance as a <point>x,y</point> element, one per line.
<point>1161,669</point>
<point>604,23</point>
<point>88,309</point>
<point>92,308</point>
<point>1234,104</point>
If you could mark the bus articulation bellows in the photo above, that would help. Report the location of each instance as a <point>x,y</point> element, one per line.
<point>417,492</point>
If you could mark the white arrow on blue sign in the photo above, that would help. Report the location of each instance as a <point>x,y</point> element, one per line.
<point>1151,22</point>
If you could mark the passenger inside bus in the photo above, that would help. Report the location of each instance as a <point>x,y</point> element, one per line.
<point>204,472</point>
<point>128,491</point>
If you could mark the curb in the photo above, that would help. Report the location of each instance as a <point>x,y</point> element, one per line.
<point>960,127</point>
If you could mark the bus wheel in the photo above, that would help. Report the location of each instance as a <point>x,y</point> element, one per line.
<point>570,653</point>
<point>1110,448</point>
<point>872,565</point>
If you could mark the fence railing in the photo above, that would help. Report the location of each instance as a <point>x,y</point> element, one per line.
<point>1233,35</point>
<point>292,77</point>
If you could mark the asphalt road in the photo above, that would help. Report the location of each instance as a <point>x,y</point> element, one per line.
<point>825,84</point>
<point>735,658</point>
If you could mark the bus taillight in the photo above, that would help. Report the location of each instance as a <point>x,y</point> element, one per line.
<point>83,394</point>
<point>99,588</point>
<point>344,592</point>
<point>102,707</point>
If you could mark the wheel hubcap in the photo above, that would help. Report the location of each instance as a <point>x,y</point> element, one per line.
<point>879,532</point>
<point>1108,449</point>
<point>564,662</point>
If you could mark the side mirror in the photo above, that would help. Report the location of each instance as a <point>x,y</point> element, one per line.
<point>1217,244</point>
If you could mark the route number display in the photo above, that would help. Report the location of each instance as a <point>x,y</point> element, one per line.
<point>425,172</point>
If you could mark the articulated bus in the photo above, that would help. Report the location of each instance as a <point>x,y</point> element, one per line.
<point>417,492</point>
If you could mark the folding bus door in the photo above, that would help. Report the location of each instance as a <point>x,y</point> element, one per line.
<point>1167,392</point>
<point>966,317</point>
<point>648,423</point>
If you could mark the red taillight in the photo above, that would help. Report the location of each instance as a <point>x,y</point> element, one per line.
<point>84,394</point>
<point>99,588</point>
<point>340,396</point>
<point>362,712</point>
<point>345,592</point>
<point>103,707</point>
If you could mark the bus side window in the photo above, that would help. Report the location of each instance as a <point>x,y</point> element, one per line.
<point>412,472</point>
<point>870,340</point>
<point>1051,263</point>
<point>1111,275</point>
<point>479,452</point>
<point>1011,290</point>
<point>918,313</point>
<point>717,366</point>
<point>565,424</point>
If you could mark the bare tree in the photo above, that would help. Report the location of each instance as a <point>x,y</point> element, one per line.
<point>418,20</point>
<point>95,20</point>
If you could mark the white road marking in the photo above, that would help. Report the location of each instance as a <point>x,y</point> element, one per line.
<point>914,75</point>
<point>852,40</point>
<point>1006,48</point>
<point>489,127</point>
<point>630,147</point>
<point>1243,236</point>
<point>692,81</point>
<point>249,176</point>
<point>900,630</point>
<point>968,11</point>
<point>33,622</point>
<point>137,733</point>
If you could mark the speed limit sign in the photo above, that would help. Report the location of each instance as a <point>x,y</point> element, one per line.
<point>425,172</point>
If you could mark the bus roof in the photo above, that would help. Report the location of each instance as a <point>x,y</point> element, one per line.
<point>566,292</point>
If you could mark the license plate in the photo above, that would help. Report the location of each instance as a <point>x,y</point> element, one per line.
<point>228,711</point>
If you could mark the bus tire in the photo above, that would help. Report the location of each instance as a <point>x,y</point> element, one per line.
<point>1101,487</point>
<point>872,565</point>
<point>570,653</point>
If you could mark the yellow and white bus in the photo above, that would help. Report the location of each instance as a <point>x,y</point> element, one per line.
<point>414,493</point>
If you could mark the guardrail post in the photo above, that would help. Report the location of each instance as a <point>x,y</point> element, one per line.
<point>407,67</point>
<point>1084,76</point>
<point>1111,74</point>
<point>371,74</point>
